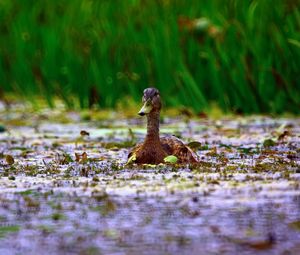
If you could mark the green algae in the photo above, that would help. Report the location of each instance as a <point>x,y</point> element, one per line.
<point>6,230</point>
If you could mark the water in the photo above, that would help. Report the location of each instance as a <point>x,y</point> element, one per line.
<point>243,198</point>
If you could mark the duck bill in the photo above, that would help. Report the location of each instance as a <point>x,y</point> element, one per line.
<point>145,109</point>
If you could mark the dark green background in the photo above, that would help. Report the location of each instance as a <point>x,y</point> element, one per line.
<point>244,55</point>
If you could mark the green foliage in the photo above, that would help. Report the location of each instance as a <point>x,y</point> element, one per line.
<point>170,159</point>
<point>244,55</point>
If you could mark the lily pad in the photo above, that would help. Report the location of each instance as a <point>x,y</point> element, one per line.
<point>149,165</point>
<point>295,225</point>
<point>9,159</point>
<point>4,230</point>
<point>132,159</point>
<point>194,145</point>
<point>2,128</point>
<point>171,159</point>
<point>269,143</point>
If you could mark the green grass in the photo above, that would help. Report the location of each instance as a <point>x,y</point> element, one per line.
<point>243,55</point>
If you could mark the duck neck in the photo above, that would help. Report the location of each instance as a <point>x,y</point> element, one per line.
<point>152,127</point>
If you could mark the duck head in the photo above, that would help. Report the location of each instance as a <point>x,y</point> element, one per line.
<point>151,102</point>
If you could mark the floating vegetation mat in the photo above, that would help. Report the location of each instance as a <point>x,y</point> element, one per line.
<point>65,187</point>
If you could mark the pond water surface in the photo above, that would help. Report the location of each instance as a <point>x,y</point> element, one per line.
<point>63,191</point>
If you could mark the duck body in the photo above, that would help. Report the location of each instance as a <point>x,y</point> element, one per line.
<point>152,153</point>
<point>154,149</point>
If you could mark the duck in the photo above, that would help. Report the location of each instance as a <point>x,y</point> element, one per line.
<point>154,149</point>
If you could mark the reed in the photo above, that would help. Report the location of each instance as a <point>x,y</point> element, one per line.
<point>242,55</point>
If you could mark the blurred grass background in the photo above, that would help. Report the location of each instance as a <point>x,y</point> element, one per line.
<point>242,55</point>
